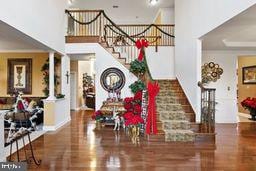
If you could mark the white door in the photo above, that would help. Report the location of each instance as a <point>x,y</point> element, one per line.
<point>73,91</point>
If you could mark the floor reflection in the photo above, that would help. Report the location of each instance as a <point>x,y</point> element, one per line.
<point>80,145</point>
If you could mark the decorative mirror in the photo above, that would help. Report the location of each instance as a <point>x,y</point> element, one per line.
<point>211,72</point>
<point>112,79</point>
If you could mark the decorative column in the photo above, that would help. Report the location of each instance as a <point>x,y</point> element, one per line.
<point>51,76</point>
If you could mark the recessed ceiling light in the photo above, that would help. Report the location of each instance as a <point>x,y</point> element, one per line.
<point>115,6</point>
<point>153,2</point>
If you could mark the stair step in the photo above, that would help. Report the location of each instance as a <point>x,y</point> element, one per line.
<point>169,107</point>
<point>195,127</point>
<point>173,116</point>
<point>180,135</point>
<point>176,124</point>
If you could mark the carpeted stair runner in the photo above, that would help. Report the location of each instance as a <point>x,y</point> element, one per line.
<point>175,123</point>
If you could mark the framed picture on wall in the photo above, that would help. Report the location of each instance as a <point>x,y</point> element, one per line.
<point>249,74</point>
<point>19,75</point>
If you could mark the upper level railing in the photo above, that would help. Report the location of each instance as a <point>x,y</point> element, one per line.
<point>207,109</point>
<point>97,23</point>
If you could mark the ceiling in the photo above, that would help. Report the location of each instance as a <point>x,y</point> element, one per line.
<point>14,40</point>
<point>129,11</point>
<point>239,33</point>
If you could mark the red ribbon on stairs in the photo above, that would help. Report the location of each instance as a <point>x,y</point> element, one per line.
<point>151,126</point>
<point>141,44</point>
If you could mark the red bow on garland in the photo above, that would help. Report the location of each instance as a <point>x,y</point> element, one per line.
<point>153,89</point>
<point>141,44</point>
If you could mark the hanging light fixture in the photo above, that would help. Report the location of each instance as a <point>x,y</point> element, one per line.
<point>70,2</point>
<point>153,2</point>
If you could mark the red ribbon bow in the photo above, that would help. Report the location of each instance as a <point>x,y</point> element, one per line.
<point>151,126</point>
<point>141,44</point>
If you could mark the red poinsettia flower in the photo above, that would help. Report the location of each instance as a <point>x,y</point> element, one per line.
<point>138,96</point>
<point>249,103</point>
<point>128,106</point>
<point>97,115</point>
<point>128,115</point>
<point>128,100</point>
<point>136,120</point>
<point>137,109</point>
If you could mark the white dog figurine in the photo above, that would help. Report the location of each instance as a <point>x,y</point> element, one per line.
<point>116,119</point>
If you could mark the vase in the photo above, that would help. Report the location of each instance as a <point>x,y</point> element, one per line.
<point>134,133</point>
<point>98,125</point>
<point>253,114</point>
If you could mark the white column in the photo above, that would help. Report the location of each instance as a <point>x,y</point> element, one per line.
<point>2,148</point>
<point>51,76</point>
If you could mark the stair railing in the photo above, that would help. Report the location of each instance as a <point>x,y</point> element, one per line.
<point>122,37</point>
<point>207,109</point>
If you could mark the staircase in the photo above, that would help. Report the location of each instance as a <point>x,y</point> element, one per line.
<point>115,54</point>
<point>174,112</point>
<point>176,118</point>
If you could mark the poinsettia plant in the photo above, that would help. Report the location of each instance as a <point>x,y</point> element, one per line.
<point>98,116</point>
<point>133,109</point>
<point>249,103</point>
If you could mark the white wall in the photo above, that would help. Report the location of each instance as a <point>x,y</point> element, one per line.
<point>167,15</point>
<point>65,87</point>
<point>226,109</point>
<point>43,20</point>
<point>103,61</point>
<point>161,63</point>
<point>193,19</point>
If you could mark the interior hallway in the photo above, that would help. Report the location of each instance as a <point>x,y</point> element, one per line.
<point>77,147</point>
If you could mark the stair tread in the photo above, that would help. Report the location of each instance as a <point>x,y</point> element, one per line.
<point>182,131</point>
<point>175,121</point>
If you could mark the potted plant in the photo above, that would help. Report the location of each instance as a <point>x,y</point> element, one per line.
<point>250,104</point>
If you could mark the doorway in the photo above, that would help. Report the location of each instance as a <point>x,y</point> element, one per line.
<point>83,88</point>
<point>246,87</point>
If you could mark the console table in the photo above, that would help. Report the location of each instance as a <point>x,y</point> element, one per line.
<point>107,110</point>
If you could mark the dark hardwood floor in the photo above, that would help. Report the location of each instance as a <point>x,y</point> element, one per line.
<point>77,146</point>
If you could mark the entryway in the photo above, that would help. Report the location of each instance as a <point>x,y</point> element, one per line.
<point>82,76</point>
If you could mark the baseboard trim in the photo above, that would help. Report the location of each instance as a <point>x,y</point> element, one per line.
<point>76,109</point>
<point>54,128</point>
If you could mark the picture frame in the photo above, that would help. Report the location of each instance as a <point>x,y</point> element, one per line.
<point>19,75</point>
<point>249,74</point>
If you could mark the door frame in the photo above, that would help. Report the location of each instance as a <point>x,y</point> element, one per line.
<point>73,91</point>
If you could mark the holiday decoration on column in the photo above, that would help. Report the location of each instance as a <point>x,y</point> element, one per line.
<point>144,107</point>
<point>142,111</point>
<point>141,44</point>
<point>151,126</point>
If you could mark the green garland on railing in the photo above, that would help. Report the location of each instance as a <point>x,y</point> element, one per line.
<point>84,23</point>
<point>144,31</point>
<point>104,14</point>
<point>123,33</point>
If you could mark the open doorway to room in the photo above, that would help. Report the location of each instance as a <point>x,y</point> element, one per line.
<point>231,47</point>
<point>246,85</point>
<point>82,84</point>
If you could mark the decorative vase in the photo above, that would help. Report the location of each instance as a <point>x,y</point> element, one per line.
<point>134,133</point>
<point>98,125</point>
<point>253,114</point>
